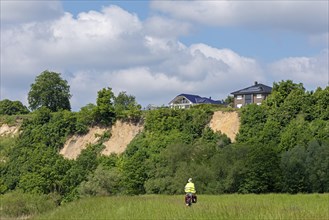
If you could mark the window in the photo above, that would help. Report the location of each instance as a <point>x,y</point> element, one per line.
<point>259,96</point>
<point>239,97</point>
<point>248,99</point>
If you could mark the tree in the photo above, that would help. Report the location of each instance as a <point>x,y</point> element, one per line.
<point>281,91</point>
<point>51,91</point>
<point>253,119</point>
<point>263,172</point>
<point>294,170</point>
<point>104,111</point>
<point>321,97</point>
<point>8,107</point>
<point>126,106</point>
<point>317,165</point>
<point>229,101</point>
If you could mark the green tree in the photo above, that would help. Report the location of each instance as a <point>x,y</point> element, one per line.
<point>263,172</point>
<point>104,111</point>
<point>85,118</point>
<point>294,170</point>
<point>229,101</point>
<point>317,166</point>
<point>321,98</point>
<point>101,182</point>
<point>126,107</point>
<point>296,133</point>
<point>281,91</point>
<point>8,107</point>
<point>51,91</point>
<point>253,119</point>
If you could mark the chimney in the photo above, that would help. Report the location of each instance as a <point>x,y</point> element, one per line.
<point>256,82</point>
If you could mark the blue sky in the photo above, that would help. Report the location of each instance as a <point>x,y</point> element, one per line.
<point>155,50</point>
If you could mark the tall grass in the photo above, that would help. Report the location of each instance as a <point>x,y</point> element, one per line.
<point>22,205</point>
<point>270,206</point>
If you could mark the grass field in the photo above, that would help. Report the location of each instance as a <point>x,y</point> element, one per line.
<point>269,206</point>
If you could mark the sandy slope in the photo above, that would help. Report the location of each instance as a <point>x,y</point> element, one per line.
<point>6,130</point>
<point>75,144</point>
<point>121,135</point>
<point>226,122</point>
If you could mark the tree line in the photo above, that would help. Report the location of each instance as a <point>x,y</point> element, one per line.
<point>282,146</point>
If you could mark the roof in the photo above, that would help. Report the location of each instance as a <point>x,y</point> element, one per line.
<point>256,88</point>
<point>195,99</point>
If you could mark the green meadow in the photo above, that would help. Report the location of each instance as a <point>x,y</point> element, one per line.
<point>235,206</point>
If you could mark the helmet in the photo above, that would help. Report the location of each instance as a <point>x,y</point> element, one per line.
<point>190,180</point>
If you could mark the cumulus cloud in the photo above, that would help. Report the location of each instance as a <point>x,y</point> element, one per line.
<point>302,16</point>
<point>114,48</point>
<point>311,71</point>
<point>200,72</point>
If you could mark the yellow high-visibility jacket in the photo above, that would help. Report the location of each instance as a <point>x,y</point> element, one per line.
<point>189,188</point>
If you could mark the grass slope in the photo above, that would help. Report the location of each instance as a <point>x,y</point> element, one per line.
<point>270,206</point>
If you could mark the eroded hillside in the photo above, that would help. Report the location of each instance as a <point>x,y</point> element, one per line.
<point>226,122</point>
<point>121,135</point>
<point>6,130</point>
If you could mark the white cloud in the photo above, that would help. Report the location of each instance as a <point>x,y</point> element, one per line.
<point>311,71</point>
<point>202,70</point>
<point>114,48</point>
<point>302,16</point>
<point>235,62</point>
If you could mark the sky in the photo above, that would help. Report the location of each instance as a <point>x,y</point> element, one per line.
<point>155,50</point>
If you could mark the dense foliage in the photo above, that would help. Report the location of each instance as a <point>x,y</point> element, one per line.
<point>8,107</point>
<point>51,91</point>
<point>282,146</point>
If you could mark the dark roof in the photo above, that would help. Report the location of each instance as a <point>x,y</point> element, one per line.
<point>195,99</point>
<point>257,88</point>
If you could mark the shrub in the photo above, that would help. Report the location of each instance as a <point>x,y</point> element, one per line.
<point>102,182</point>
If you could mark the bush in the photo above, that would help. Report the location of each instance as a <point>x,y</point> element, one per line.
<point>102,182</point>
<point>17,204</point>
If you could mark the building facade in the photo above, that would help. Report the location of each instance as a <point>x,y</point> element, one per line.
<point>184,101</point>
<point>252,94</point>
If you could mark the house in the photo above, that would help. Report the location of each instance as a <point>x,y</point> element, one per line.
<point>184,101</point>
<point>252,94</point>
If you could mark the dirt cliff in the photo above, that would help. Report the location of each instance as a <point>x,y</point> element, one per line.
<point>226,122</point>
<point>6,130</point>
<point>121,135</point>
<point>75,144</point>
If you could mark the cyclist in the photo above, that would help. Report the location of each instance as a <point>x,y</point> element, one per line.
<point>190,192</point>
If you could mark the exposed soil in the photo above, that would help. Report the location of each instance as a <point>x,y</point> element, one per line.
<point>226,122</point>
<point>6,130</point>
<point>121,135</point>
<point>75,144</point>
